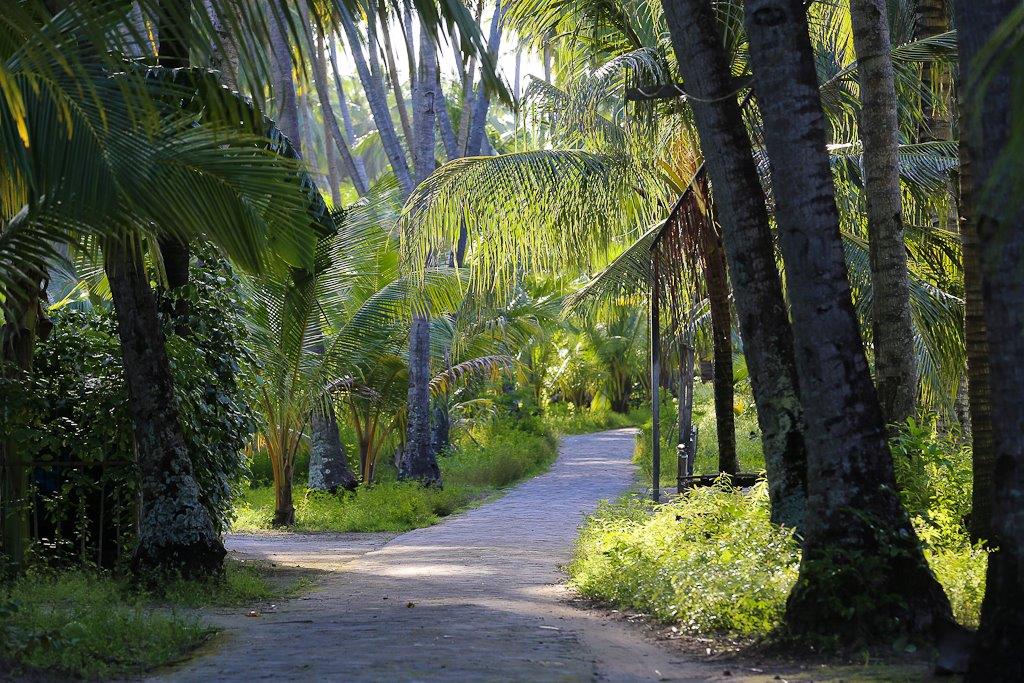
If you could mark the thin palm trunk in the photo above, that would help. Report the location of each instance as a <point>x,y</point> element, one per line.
<point>996,220</point>
<point>478,117</point>
<point>376,97</point>
<point>892,327</point>
<point>396,86</point>
<point>863,575</point>
<point>359,180</point>
<point>418,460</point>
<point>346,115</point>
<point>176,533</point>
<point>717,282</point>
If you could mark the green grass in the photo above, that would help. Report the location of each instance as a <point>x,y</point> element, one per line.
<point>89,625</point>
<point>563,419</point>
<point>486,460</point>
<point>94,625</point>
<point>748,436</point>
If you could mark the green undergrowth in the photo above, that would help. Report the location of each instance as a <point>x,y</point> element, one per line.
<point>564,419</point>
<point>711,562</point>
<point>485,460</point>
<point>96,625</point>
<point>748,436</point>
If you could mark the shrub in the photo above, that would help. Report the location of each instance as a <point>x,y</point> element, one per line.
<point>709,561</point>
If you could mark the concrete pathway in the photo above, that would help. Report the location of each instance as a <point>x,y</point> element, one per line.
<point>479,597</point>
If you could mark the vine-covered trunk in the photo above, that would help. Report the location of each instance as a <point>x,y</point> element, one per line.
<point>863,575</point>
<point>176,533</point>
<point>717,281</point>
<point>996,218</point>
<point>740,210</point>
<point>891,324</point>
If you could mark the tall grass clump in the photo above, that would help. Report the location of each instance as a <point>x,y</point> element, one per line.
<point>709,561</point>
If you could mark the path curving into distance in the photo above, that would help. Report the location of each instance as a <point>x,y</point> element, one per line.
<point>478,597</point>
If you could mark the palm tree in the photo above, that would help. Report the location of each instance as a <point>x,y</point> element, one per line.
<point>853,508</point>
<point>989,32</point>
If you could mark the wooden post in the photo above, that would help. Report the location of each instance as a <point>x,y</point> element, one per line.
<point>655,380</point>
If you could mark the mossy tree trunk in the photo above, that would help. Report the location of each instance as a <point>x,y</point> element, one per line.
<point>863,577</point>
<point>741,211</point>
<point>176,533</point>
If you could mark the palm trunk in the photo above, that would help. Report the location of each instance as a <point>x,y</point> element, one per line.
<point>740,210</point>
<point>863,575</point>
<point>444,124</point>
<point>174,54</point>
<point>995,218</point>
<point>359,180</point>
<point>478,118</point>
<point>418,460</point>
<point>717,283</point>
<point>396,86</point>
<point>346,115</point>
<point>892,327</point>
<point>328,463</point>
<point>176,533</point>
<point>378,101</point>
<point>932,19</point>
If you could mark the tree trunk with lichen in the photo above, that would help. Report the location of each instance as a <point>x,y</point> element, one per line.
<point>863,577</point>
<point>741,211</point>
<point>891,324</point>
<point>995,220</point>
<point>176,533</point>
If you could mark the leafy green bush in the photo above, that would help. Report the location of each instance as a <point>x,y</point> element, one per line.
<point>934,473</point>
<point>88,625</point>
<point>74,407</point>
<point>485,459</point>
<point>710,561</point>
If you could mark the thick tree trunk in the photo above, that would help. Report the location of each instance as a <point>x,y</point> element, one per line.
<point>717,282</point>
<point>176,533</point>
<point>328,463</point>
<point>418,459</point>
<point>892,327</point>
<point>376,97</point>
<point>996,221</point>
<point>863,575</point>
<point>741,211</point>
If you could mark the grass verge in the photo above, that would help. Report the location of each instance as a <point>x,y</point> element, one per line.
<point>95,625</point>
<point>482,465</point>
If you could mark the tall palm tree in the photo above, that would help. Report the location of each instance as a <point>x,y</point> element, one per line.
<point>853,507</point>
<point>989,33</point>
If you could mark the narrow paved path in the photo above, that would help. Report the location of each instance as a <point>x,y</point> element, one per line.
<point>478,597</point>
